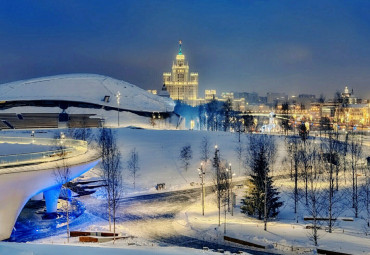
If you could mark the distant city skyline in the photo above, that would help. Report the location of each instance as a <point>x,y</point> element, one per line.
<point>295,47</point>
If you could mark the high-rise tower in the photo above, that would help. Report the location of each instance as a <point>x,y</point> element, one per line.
<point>180,84</point>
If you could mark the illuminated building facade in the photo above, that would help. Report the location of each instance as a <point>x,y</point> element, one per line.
<point>181,84</point>
<point>209,95</point>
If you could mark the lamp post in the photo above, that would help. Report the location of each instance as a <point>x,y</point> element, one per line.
<point>241,128</point>
<point>291,160</point>
<point>217,166</point>
<point>228,197</point>
<point>206,121</point>
<point>118,97</point>
<point>33,136</point>
<point>201,175</point>
<point>228,185</point>
<point>62,136</point>
<point>231,190</point>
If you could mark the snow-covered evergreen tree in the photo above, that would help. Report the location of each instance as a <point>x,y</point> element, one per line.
<point>254,201</point>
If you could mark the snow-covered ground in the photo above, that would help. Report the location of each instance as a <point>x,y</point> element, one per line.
<point>159,163</point>
<point>284,234</point>
<point>58,249</point>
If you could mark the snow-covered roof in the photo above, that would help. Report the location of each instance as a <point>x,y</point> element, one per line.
<point>89,88</point>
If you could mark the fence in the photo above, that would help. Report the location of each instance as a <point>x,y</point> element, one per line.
<point>61,148</point>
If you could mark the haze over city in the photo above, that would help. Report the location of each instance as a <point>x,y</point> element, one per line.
<point>278,46</point>
<point>184,127</point>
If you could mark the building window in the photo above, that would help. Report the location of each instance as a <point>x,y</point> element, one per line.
<point>180,77</point>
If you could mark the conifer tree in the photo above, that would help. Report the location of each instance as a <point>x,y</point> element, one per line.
<point>255,203</point>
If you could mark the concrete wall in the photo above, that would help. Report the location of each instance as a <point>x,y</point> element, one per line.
<point>17,188</point>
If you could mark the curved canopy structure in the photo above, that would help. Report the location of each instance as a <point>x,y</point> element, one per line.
<point>85,88</point>
<point>82,100</point>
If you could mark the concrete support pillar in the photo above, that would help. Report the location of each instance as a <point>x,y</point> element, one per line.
<point>51,199</point>
<point>39,196</point>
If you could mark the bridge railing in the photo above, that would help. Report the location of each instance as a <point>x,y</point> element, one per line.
<point>59,148</point>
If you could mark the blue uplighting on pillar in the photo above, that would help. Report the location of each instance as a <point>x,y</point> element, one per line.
<point>51,199</point>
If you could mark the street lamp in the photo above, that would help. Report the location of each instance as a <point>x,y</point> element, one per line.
<point>206,121</point>
<point>118,97</point>
<point>62,136</point>
<point>33,136</point>
<point>231,189</point>
<point>201,175</point>
<point>217,166</point>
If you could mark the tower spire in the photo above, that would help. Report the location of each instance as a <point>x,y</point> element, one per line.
<point>180,43</point>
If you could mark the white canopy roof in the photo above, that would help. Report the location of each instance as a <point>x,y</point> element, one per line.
<point>89,88</point>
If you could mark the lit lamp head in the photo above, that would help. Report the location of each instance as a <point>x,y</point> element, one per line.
<point>118,96</point>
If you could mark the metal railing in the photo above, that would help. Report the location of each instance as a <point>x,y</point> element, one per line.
<point>61,148</point>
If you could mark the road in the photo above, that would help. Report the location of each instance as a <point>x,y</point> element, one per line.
<point>153,217</point>
<point>150,217</point>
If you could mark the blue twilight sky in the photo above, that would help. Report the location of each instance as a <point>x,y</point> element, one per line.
<point>313,46</point>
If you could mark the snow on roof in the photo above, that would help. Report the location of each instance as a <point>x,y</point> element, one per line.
<point>89,88</point>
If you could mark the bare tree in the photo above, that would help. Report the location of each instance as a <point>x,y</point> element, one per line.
<point>239,127</point>
<point>111,173</point>
<point>343,153</point>
<point>325,204</point>
<point>116,185</point>
<point>84,134</point>
<point>186,154</point>
<point>205,149</point>
<point>133,164</point>
<point>355,151</point>
<point>285,118</point>
<point>305,154</point>
<point>294,148</point>
<point>62,175</point>
<point>222,185</point>
<point>217,168</point>
<point>331,161</point>
<point>334,201</point>
<point>321,98</point>
<point>239,151</point>
<point>366,197</point>
<point>316,197</point>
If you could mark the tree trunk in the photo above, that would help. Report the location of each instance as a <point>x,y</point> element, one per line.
<point>109,218</point>
<point>114,225</point>
<point>295,187</point>
<point>67,211</point>
<point>330,198</point>
<point>337,177</point>
<point>356,196</point>
<point>265,204</point>
<point>353,184</point>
